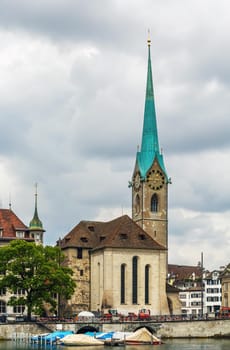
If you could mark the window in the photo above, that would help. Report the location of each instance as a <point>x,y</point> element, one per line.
<point>154,203</point>
<point>137,204</point>
<point>2,307</point>
<point>123,236</point>
<point>84,239</point>
<point>37,237</point>
<point>79,253</point>
<point>147,284</point>
<point>182,296</point>
<point>142,237</point>
<point>134,275</point>
<point>195,295</point>
<point>3,291</point>
<point>20,234</point>
<point>81,273</point>
<point>123,284</point>
<point>18,309</point>
<point>20,291</point>
<point>1,232</point>
<point>91,228</point>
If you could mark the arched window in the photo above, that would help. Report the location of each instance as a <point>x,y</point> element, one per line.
<point>137,204</point>
<point>134,294</point>
<point>154,203</point>
<point>146,284</point>
<point>123,284</point>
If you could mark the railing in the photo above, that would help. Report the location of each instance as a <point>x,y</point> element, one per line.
<point>122,319</point>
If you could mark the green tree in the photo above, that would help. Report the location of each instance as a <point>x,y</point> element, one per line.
<point>37,270</point>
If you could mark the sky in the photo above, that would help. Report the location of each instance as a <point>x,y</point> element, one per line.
<point>72,90</point>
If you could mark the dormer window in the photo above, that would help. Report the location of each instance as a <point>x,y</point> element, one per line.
<point>84,239</point>
<point>20,234</point>
<point>91,228</point>
<point>123,236</point>
<point>102,238</point>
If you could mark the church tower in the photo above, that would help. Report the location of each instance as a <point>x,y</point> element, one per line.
<point>36,227</point>
<point>150,180</point>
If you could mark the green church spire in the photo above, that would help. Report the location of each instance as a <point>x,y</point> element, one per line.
<point>35,223</point>
<point>150,145</point>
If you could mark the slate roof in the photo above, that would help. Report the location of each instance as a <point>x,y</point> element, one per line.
<point>121,232</point>
<point>10,223</point>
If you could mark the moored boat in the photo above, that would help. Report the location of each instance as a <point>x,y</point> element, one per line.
<point>51,337</point>
<point>80,340</point>
<point>141,337</point>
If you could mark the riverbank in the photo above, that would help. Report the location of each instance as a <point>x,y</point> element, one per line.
<point>176,329</point>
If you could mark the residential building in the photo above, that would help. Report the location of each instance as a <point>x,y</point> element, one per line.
<point>225,281</point>
<point>188,279</point>
<point>212,292</point>
<point>12,228</point>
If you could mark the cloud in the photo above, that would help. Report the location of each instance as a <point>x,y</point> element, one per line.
<point>72,94</point>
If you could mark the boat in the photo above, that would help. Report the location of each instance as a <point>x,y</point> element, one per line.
<point>38,337</point>
<point>117,339</point>
<point>101,335</point>
<point>80,340</point>
<point>55,336</point>
<point>141,337</point>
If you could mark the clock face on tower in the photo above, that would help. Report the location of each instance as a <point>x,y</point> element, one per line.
<point>155,179</point>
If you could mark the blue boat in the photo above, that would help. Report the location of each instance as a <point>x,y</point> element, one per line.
<point>50,337</point>
<point>100,335</point>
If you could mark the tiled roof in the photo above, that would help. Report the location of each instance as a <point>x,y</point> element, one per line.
<point>10,223</point>
<point>183,272</point>
<point>226,272</point>
<point>121,232</point>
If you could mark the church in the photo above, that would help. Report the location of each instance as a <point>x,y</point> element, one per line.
<point>122,264</point>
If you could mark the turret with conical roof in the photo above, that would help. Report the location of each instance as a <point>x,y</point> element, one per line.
<point>35,226</point>
<point>150,180</point>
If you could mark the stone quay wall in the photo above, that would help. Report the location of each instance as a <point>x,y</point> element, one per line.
<point>176,329</point>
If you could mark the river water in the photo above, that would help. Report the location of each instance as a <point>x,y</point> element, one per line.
<point>174,344</point>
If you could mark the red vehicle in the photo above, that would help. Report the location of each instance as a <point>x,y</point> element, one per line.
<point>224,312</point>
<point>144,314</point>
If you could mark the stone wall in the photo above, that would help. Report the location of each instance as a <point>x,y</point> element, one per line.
<point>186,329</point>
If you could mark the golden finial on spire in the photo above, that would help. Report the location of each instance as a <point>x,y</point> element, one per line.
<point>149,40</point>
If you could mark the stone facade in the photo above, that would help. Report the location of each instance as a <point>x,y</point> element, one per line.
<point>106,280</point>
<point>102,256</point>
<point>150,204</point>
<point>81,268</point>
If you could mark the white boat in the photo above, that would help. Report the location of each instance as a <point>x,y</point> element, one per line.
<point>80,340</point>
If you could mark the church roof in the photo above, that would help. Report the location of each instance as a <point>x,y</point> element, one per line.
<point>121,232</point>
<point>150,145</point>
<point>10,223</point>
